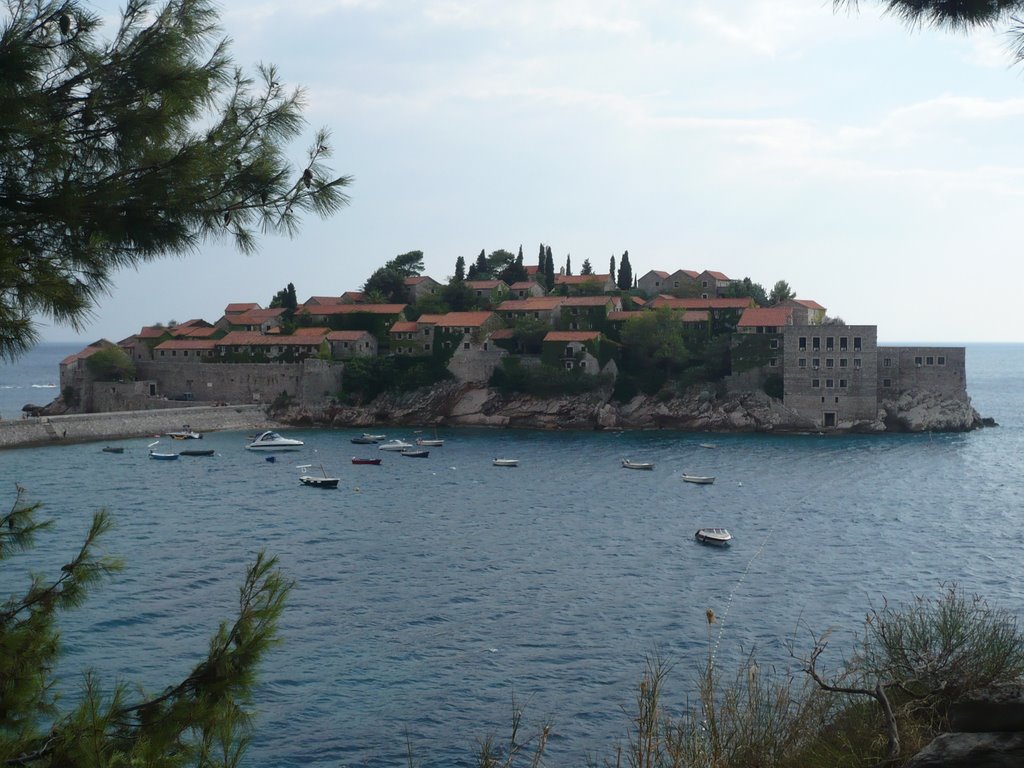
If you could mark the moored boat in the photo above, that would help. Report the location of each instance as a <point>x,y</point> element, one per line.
<point>375,462</point>
<point>185,433</point>
<point>698,479</point>
<point>718,536</point>
<point>394,445</point>
<point>505,462</point>
<point>413,453</point>
<point>111,449</point>
<point>317,481</point>
<point>196,452</point>
<point>627,464</point>
<point>272,441</point>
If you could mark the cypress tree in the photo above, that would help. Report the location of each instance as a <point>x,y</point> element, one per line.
<point>460,269</point>
<point>568,264</point>
<point>549,268</point>
<point>611,267</point>
<point>625,280</point>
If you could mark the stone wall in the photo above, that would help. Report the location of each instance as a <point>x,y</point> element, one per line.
<point>85,427</point>
<point>939,370</point>
<point>475,366</point>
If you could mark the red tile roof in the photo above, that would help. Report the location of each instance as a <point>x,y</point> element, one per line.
<point>464,319</point>
<point>350,309</point>
<point>809,304</point>
<point>234,309</point>
<point>256,339</point>
<point>716,275</point>
<point>151,332</point>
<point>534,303</point>
<point>311,331</point>
<point>87,352</point>
<point>198,332</point>
<point>348,335</point>
<point>674,303</point>
<point>762,317</point>
<point>356,297</point>
<point>587,301</point>
<point>580,279</point>
<point>691,273</point>
<point>572,335</point>
<point>523,285</point>
<point>322,300</point>
<point>659,272</point>
<point>621,315</point>
<point>197,344</point>
<point>503,333</point>
<point>407,326</point>
<point>483,284</point>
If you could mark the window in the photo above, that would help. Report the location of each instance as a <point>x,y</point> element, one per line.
<point>829,383</point>
<point>843,343</point>
<point>830,362</point>
<point>856,363</point>
<point>815,383</point>
<point>568,365</point>
<point>843,362</point>
<point>918,361</point>
<point>426,331</point>
<point>465,345</point>
<point>816,363</point>
<point>842,383</point>
<point>887,362</point>
<point>773,344</point>
<point>816,343</point>
<point>704,284</point>
<point>929,360</point>
<point>941,359</point>
<point>583,363</point>
<point>803,343</point>
<point>830,343</point>
<point>426,347</point>
<point>802,362</point>
<point>773,362</point>
<point>886,382</point>
<point>856,343</point>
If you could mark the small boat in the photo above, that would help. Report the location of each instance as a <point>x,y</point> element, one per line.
<point>162,456</point>
<point>363,441</point>
<point>185,433</point>
<point>637,464</point>
<point>718,536</point>
<point>430,441</point>
<point>317,481</point>
<point>375,462</point>
<point>708,445</point>
<point>373,438</point>
<point>698,479</point>
<point>271,441</point>
<point>394,445</point>
<point>505,462</point>
<point>111,449</point>
<point>197,452</point>
<point>412,453</point>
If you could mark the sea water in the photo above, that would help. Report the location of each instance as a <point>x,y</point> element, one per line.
<point>432,594</point>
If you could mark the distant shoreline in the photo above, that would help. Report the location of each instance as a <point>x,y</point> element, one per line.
<point>95,427</point>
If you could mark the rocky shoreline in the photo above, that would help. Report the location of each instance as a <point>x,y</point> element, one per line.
<point>700,410</point>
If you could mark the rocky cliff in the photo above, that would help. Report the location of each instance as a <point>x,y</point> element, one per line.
<point>700,409</point>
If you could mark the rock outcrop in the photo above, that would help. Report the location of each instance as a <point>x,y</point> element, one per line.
<point>700,409</point>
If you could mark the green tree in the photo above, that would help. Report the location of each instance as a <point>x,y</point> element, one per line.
<point>203,720</point>
<point>586,269</point>
<point>387,283</point>
<point>625,278</point>
<point>457,297</point>
<point>568,264</point>
<point>460,270</point>
<point>549,269</point>
<point>113,153</point>
<point>780,292</point>
<point>541,262</point>
<point>110,364</point>
<point>745,288</point>
<point>287,299</point>
<point>479,269</point>
<point>611,267</point>
<point>514,271</point>
<point>655,339</point>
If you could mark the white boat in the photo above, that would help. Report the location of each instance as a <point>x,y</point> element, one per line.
<point>185,433</point>
<point>317,481</point>
<point>427,442</point>
<point>160,455</point>
<point>698,479</point>
<point>374,438</point>
<point>505,462</point>
<point>415,453</point>
<point>718,536</point>
<point>394,445</point>
<point>271,441</point>
<point>708,445</point>
<point>637,464</point>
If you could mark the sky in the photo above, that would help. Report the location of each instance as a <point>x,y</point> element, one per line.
<point>878,169</point>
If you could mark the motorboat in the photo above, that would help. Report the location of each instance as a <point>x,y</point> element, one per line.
<point>637,464</point>
<point>375,462</point>
<point>505,462</point>
<point>196,452</point>
<point>718,536</point>
<point>364,441</point>
<point>185,433</point>
<point>162,456</point>
<point>272,441</point>
<point>698,479</point>
<point>111,449</point>
<point>429,441</point>
<point>373,438</point>
<point>413,453</point>
<point>317,481</point>
<point>394,445</point>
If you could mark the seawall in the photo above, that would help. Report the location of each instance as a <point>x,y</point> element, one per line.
<point>87,427</point>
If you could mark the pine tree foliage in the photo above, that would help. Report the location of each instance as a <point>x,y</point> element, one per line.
<point>625,278</point>
<point>203,720</point>
<point>117,151</point>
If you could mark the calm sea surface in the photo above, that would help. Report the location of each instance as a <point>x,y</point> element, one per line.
<point>431,593</point>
